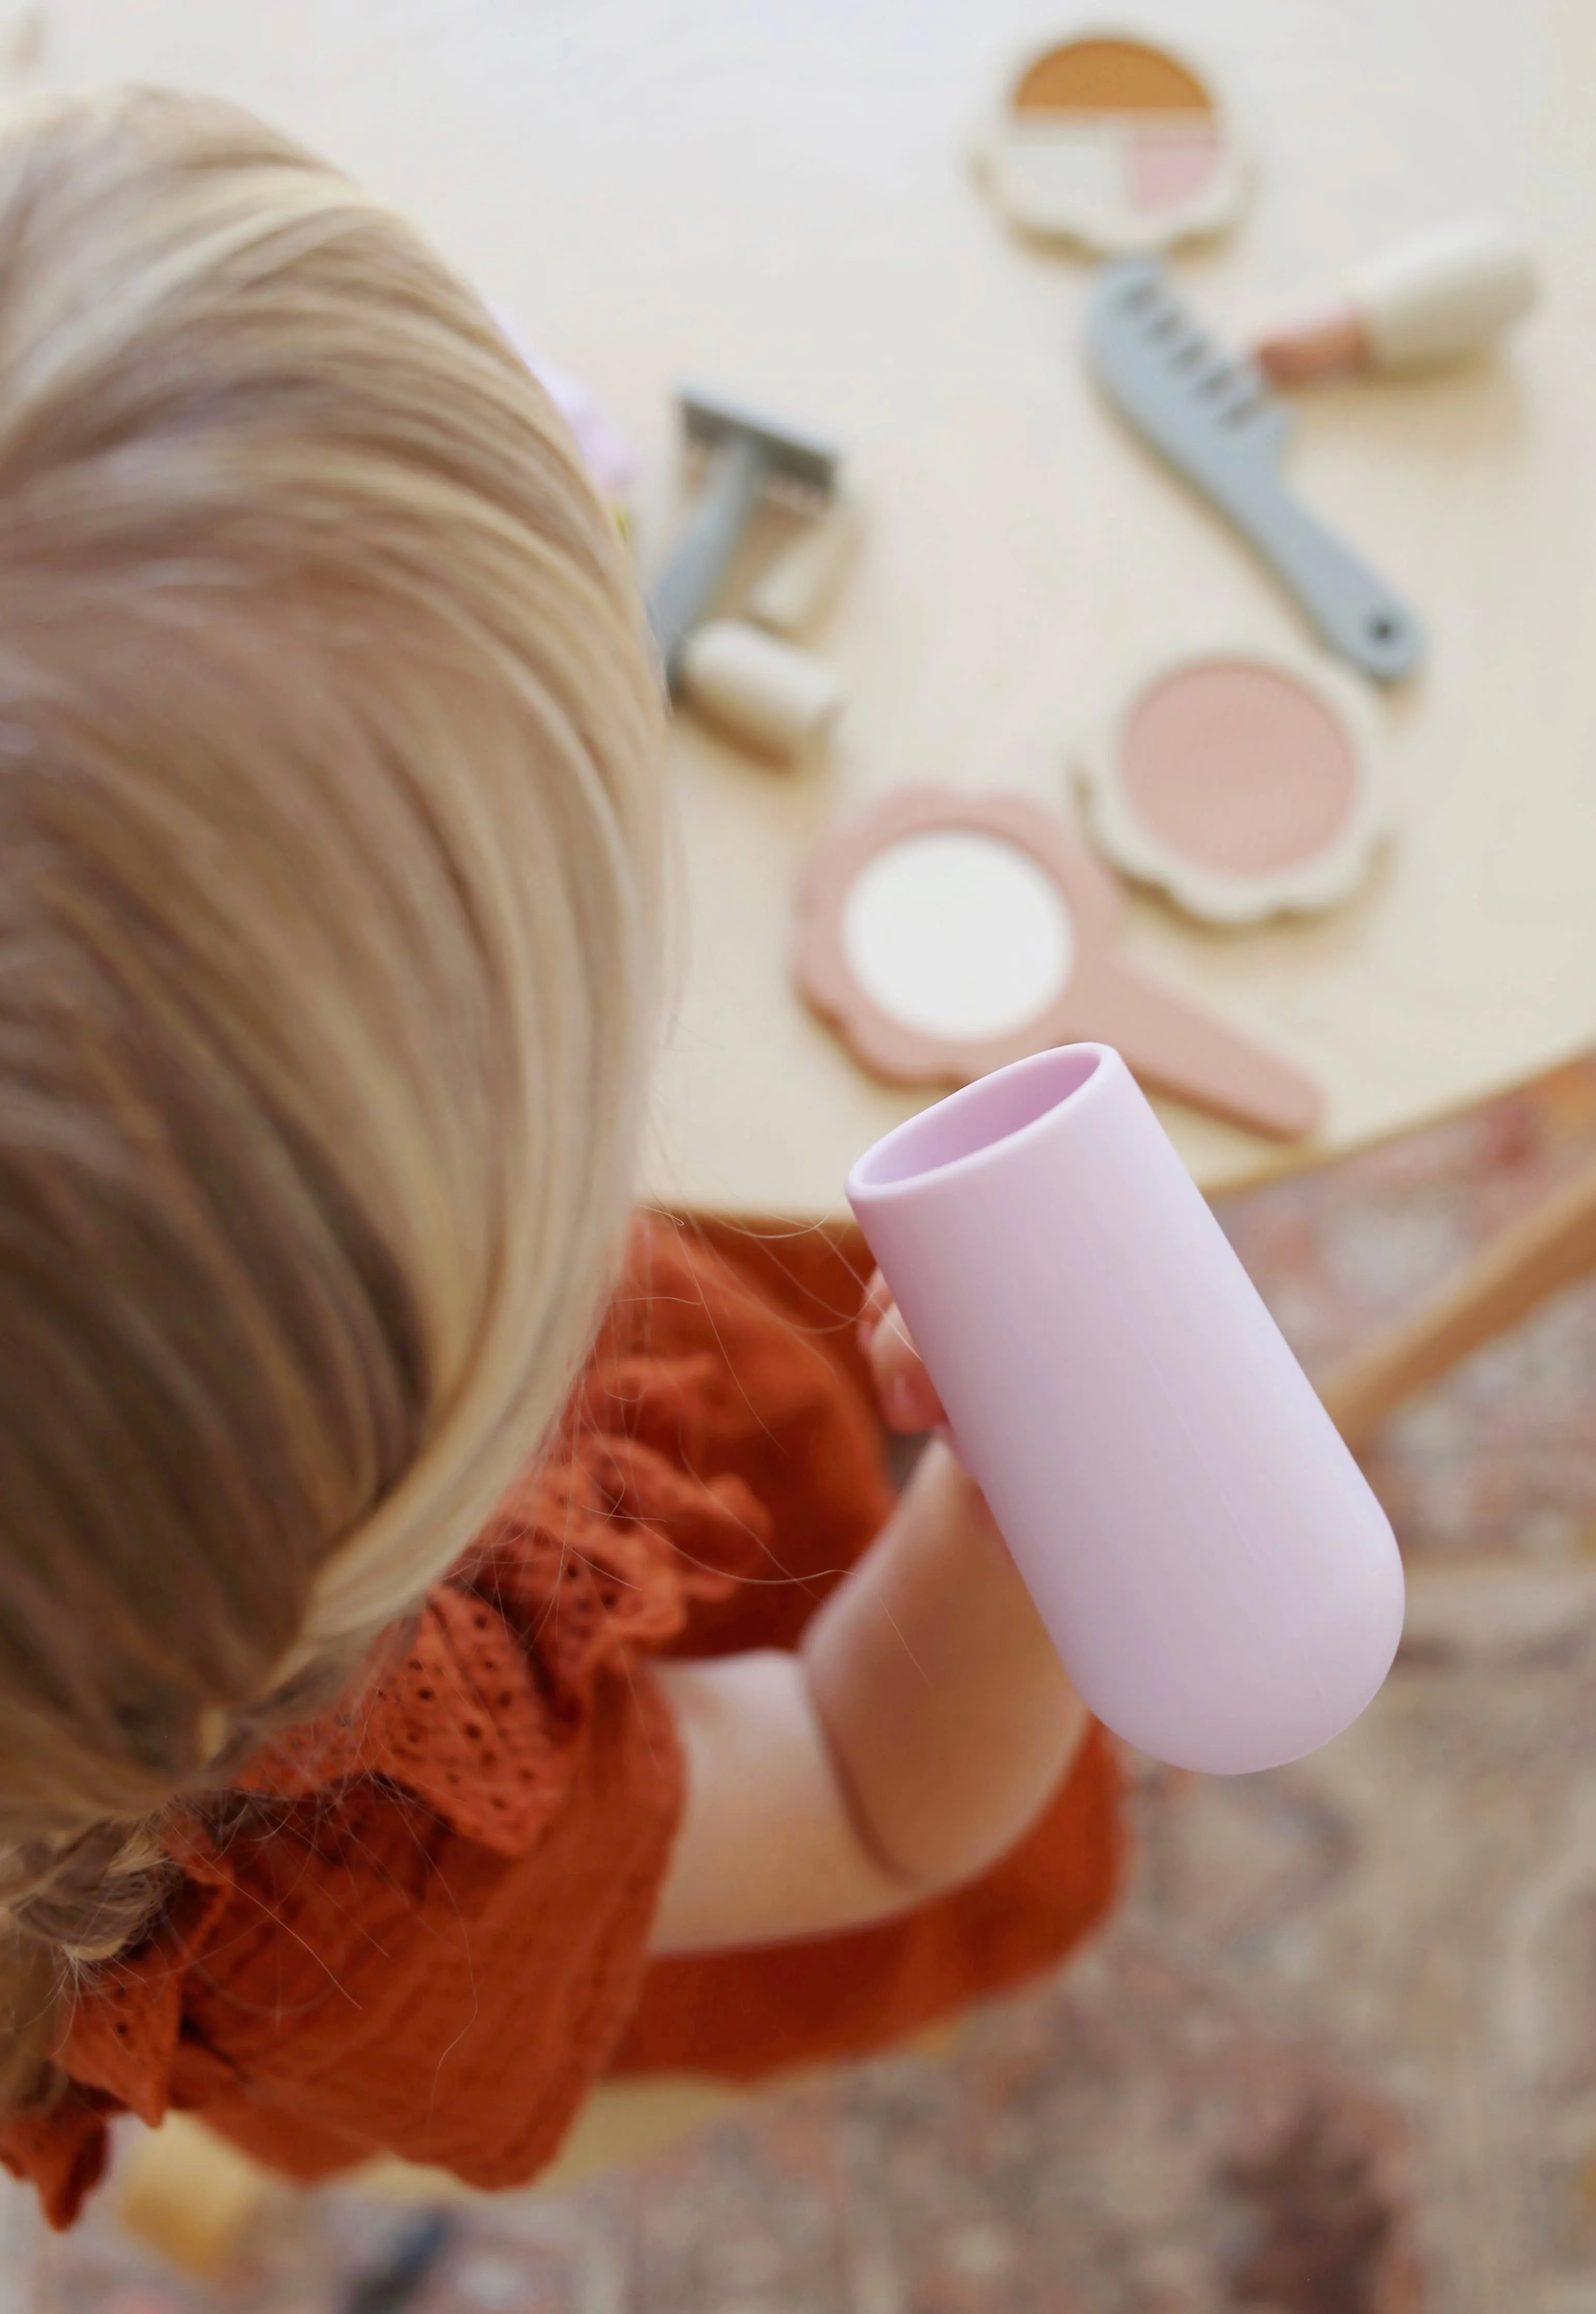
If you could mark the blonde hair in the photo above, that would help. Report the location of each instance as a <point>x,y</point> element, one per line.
<point>330,897</point>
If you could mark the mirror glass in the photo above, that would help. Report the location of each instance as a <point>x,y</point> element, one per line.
<point>958,934</point>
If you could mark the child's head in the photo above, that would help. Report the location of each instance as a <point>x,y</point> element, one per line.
<point>329,897</point>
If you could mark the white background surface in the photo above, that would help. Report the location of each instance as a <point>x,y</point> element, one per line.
<point>773,198</point>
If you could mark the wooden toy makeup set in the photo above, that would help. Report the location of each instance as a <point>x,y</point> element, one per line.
<point>944,936</point>
<point>1127,148</point>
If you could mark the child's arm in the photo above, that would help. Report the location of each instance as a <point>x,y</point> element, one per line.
<point>914,1737</point>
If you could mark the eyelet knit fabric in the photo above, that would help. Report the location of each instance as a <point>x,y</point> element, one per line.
<point>420,1924</point>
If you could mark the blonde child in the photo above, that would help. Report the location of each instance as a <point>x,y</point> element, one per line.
<point>456,1637</point>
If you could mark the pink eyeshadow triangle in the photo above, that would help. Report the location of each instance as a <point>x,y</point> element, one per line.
<point>1165,167</point>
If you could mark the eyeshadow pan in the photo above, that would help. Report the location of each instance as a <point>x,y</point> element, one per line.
<point>1110,75</point>
<point>1238,767</point>
<point>1245,781</point>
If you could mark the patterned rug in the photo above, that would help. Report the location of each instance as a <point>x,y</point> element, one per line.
<point>1338,2053</point>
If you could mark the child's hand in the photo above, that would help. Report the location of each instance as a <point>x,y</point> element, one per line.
<point>912,1737</point>
<point>903,1387</point>
<point>909,1402</point>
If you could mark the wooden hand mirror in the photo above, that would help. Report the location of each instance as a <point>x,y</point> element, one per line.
<point>945,935</point>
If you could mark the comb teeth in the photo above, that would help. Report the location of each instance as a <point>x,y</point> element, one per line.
<point>1216,420</point>
<point>1228,389</point>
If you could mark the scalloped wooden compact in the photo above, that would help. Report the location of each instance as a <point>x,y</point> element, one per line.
<point>944,936</point>
<point>1114,141</point>
<point>1246,783</point>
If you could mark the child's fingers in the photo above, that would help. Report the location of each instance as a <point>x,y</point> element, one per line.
<point>907,1398</point>
<point>903,1387</point>
<point>877,1302</point>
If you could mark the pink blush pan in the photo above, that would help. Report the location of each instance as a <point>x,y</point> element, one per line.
<point>1243,784</point>
<point>1237,768</point>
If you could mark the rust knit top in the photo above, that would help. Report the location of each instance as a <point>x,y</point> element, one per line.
<point>425,1931</point>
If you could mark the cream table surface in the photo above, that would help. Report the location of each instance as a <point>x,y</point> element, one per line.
<point>775,197</point>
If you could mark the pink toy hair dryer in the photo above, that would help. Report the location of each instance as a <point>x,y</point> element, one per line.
<point>1218,1578</point>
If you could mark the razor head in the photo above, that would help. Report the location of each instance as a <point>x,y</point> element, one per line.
<point>1199,403</point>
<point>712,422</point>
